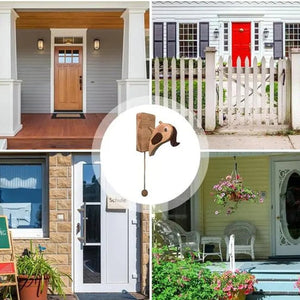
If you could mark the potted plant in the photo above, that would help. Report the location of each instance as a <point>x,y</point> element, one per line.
<point>234,285</point>
<point>230,192</point>
<point>36,275</point>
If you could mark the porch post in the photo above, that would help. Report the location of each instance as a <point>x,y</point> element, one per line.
<point>10,87</point>
<point>134,82</point>
<point>295,86</point>
<point>210,88</point>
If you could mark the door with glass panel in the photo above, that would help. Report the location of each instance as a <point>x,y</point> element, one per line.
<point>287,207</point>
<point>105,242</point>
<point>68,78</point>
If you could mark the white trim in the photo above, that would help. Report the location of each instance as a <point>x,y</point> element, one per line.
<point>79,32</point>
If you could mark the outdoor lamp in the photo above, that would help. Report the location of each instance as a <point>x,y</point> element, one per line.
<point>266,33</point>
<point>40,44</point>
<point>96,44</point>
<point>216,33</point>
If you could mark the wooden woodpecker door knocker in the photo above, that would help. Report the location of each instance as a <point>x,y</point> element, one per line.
<point>150,138</point>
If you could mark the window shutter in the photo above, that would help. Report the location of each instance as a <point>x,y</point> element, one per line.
<point>171,39</point>
<point>158,38</point>
<point>203,38</point>
<point>278,40</point>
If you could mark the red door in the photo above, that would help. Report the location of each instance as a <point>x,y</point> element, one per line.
<point>241,42</point>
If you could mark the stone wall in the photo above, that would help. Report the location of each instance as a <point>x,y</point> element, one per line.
<point>145,234</point>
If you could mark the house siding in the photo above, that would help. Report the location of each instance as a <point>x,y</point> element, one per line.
<point>256,174</point>
<point>218,12</point>
<point>104,67</point>
<point>34,70</point>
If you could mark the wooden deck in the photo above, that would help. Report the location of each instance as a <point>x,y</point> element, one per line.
<point>41,132</point>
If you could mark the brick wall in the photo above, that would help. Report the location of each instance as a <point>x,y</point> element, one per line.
<point>60,216</point>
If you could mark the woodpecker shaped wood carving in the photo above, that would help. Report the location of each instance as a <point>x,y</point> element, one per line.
<point>150,138</point>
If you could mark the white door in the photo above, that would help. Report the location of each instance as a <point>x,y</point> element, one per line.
<point>105,245</point>
<point>287,207</point>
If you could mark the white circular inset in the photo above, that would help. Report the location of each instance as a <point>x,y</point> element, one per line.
<point>169,172</point>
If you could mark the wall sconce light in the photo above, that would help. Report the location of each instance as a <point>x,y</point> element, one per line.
<point>96,44</point>
<point>266,33</point>
<point>216,33</point>
<point>40,44</point>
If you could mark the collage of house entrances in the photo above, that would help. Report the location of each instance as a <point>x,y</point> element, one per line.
<point>150,149</point>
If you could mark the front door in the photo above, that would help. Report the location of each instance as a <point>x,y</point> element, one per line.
<point>105,253</point>
<point>287,207</point>
<point>68,79</point>
<point>241,42</point>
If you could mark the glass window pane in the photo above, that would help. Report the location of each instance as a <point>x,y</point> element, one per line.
<point>68,60</point>
<point>75,52</point>
<point>61,52</point>
<point>91,264</point>
<point>93,223</point>
<point>75,60</point>
<point>21,195</point>
<point>58,40</point>
<point>68,52</point>
<point>78,40</point>
<point>68,40</point>
<point>61,60</point>
<point>91,185</point>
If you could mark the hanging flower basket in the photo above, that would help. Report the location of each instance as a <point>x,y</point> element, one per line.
<point>230,192</point>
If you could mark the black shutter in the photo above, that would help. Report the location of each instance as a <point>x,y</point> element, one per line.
<point>278,40</point>
<point>203,38</point>
<point>158,38</point>
<point>171,39</point>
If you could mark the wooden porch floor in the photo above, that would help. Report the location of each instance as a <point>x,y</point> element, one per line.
<point>41,132</point>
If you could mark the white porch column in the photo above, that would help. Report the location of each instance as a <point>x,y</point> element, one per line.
<point>10,87</point>
<point>134,82</point>
<point>295,86</point>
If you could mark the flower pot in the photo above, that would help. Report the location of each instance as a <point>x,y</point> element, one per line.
<point>240,295</point>
<point>32,289</point>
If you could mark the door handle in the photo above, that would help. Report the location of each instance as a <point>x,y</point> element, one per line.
<point>80,82</point>
<point>82,227</point>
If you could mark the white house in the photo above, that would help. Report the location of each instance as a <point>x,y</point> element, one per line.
<point>235,28</point>
<point>69,56</point>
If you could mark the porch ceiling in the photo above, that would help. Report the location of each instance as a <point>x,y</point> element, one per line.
<point>73,19</point>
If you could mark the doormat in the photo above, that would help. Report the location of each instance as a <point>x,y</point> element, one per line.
<point>104,296</point>
<point>68,116</point>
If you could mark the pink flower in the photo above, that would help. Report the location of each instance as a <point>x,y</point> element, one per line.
<point>217,212</point>
<point>261,200</point>
<point>228,177</point>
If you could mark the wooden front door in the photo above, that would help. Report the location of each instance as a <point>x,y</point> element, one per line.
<point>241,42</point>
<point>68,79</point>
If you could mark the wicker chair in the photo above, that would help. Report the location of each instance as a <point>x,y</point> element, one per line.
<point>174,235</point>
<point>244,233</point>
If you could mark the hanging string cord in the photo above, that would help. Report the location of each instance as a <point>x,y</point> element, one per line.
<point>144,170</point>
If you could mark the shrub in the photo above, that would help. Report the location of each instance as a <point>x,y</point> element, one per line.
<point>186,279</point>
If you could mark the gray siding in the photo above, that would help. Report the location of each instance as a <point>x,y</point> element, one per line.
<point>104,67</point>
<point>34,70</point>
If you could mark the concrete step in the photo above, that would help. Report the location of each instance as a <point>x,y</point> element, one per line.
<point>272,297</point>
<point>276,286</point>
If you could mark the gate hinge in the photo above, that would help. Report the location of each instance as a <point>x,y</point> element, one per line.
<point>136,276</point>
<point>135,222</point>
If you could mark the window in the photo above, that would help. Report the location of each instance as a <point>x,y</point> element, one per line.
<point>256,36</point>
<point>23,196</point>
<point>188,40</point>
<point>68,56</point>
<point>226,30</point>
<point>292,37</point>
<point>68,40</point>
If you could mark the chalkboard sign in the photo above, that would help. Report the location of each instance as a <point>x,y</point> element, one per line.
<point>4,234</point>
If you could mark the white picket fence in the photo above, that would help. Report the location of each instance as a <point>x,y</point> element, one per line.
<point>234,96</point>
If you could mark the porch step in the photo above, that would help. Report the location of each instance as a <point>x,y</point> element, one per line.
<point>272,297</point>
